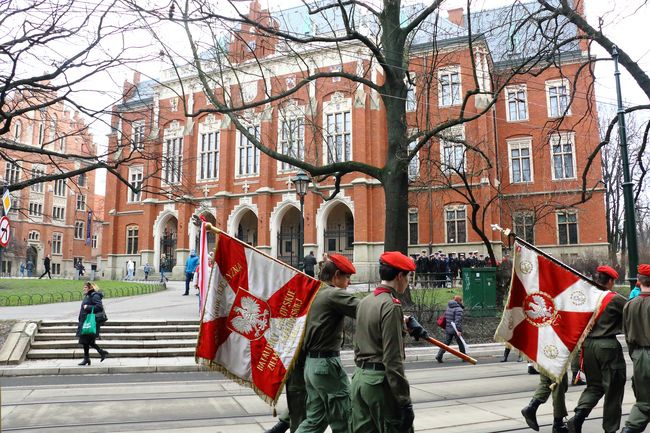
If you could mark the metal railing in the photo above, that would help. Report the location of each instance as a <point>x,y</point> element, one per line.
<point>77,295</point>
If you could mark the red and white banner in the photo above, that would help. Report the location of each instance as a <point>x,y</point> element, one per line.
<point>254,317</point>
<point>204,265</point>
<point>550,310</point>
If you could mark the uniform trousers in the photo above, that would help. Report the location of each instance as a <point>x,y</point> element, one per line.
<point>604,367</point>
<point>328,396</point>
<point>640,413</point>
<point>296,397</point>
<point>374,407</point>
<point>543,392</point>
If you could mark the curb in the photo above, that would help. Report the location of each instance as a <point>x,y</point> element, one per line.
<point>20,338</point>
<point>187,365</point>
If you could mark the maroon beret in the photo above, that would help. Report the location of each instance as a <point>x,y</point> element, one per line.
<point>644,270</point>
<point>397,260</point>
<point>608,270</point>
<point>343,264</point>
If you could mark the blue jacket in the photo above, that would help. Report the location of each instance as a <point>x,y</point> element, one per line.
<point>191,264</point>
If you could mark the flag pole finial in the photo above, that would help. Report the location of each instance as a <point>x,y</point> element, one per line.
<point>497,227</point>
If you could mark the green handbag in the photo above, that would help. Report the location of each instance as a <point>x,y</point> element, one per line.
<point>89,326</point>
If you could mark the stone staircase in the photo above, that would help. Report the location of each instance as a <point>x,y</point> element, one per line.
<point>132,339</point>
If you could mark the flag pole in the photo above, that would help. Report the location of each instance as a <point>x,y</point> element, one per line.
<point>508,232</point>
<point>454,352</point>
<point>209,226</point>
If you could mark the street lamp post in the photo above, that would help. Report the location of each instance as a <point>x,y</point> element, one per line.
<point>301,182</point>
<point>628,197</point>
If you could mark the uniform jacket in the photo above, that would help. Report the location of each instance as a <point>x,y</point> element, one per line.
<point>324,331</point>
<point>379,338</point>
<point>454,313</point>
<point>636,322</point>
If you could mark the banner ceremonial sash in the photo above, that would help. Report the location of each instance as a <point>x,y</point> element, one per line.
<point>253,318</point>
<point>550,310</point>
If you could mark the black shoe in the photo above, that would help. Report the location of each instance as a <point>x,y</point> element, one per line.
<point>629,430</point>
<point>103,355</point>
<point>185,294</point>
<point>86,361</point>
<point>504,359</point>
<point>530,414</point>
<point>531,370</point>
<point>575,423</point>
<point>439,360</point>
<point>560,428</point>
<point>280,427</point>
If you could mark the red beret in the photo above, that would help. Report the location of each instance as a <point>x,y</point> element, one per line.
<point>608,270</point>
<point>644,270</point>
<point>343,264</point>
<point>397,260</point>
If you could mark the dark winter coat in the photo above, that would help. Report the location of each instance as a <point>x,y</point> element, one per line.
<point>91,299</point>
<point>454,313</point>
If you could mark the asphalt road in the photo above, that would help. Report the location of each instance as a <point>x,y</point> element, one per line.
<point>451,398</point>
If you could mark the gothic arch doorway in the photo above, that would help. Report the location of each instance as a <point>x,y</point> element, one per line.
<point>289,237</point>
<point>247,228</point>
<point>339,231</point>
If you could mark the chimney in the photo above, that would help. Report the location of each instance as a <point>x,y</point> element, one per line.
<point>136,78</point>
<point>456,16</point>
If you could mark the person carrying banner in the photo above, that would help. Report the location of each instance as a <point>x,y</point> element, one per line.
<point>603,360</point>
<point>636,324</point>
<point>326,382</point>
<point>542,393</point>
<point>380,392</point>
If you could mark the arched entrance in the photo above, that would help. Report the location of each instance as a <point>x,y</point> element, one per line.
<point>31,259</point>
<point>288,237</point>
<point>247,228</point>
<point>212,238</point>
<point>168,237</point>
<point>339,231</point>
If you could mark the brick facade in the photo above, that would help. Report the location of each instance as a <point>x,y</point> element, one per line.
<point>259,206</point>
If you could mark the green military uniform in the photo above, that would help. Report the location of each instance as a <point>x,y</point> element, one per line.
<point>604,365</point>
<point>296,396</point>
<point>544,391</point>
<point>636,324</point>
<point>379,385</point>
<point>327,384</point>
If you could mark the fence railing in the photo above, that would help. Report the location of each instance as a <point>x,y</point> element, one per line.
<point>76,295</point>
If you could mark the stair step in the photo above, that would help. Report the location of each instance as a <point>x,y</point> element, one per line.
<point>122,328</point>
<point>120,335</point>
<point>55,323</point>
<point>117,344</point>
<point>114,353</point>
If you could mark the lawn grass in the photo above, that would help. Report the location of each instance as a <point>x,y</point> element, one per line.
<point>14,292</point>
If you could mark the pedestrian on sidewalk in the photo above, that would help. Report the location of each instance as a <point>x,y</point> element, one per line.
<point>380,392</point>
<point>22,269</point>
<point>636,323</point>
<point>191,264</point>
<point>542,393</point>
<point>163,268</point>
<point>46,265</point>
<point>146,270</point>
<point>92,301</point>
<point>603,360</point>
<point>454,327</point>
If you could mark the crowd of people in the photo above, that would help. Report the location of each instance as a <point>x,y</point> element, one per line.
<point>442,270</point>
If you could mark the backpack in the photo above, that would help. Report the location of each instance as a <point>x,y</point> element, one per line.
<point>442,321</point>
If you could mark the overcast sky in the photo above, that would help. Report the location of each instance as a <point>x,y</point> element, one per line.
<point>626,24</point>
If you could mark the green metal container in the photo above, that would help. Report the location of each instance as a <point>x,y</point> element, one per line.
<point>480,291</point>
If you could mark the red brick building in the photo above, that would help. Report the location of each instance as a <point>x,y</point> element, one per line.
<point>533,146</point>
<point>60,218</point>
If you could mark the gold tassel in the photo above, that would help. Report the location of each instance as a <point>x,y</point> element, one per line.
<point>553,385</point>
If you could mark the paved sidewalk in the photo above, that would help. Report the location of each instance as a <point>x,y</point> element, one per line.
<point>165,305</point>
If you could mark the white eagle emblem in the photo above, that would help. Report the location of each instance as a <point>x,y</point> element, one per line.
<point>250,319</point>
<point>538,308</point>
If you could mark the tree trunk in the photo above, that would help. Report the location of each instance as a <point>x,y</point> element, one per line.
<point>397,203</point>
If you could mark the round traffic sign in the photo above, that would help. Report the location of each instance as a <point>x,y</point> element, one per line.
<point>5,233</point>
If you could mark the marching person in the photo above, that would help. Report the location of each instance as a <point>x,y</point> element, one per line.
<point>92,301</point>
<point>380,391</point>
<point>636,324</point>
<point>326,382</point>
<point>541,396</point>
<point>603,361</point>
<point>453,315</point>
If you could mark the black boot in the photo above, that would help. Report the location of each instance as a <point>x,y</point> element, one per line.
<point>506,353</point>
<point>575,423</point>
<point>102,355</point>
<point>629,430</point>
<point>280,427</point>
<point>530,414</point>
<point>559,426</point>
<point>86,361</point>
